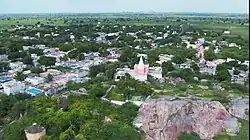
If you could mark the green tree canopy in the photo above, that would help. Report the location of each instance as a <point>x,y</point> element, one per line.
<point>47,61</point>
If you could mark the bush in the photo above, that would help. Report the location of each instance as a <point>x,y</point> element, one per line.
<point>187,136</point>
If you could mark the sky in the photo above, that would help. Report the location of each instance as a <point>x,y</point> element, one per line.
<point>103,6</point>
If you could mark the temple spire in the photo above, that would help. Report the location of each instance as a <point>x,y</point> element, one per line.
<point>141,61</point>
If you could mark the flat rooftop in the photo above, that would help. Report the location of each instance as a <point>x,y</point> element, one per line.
<point>4,79</point>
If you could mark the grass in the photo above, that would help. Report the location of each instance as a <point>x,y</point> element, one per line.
<point>5,24</point>
<point>242,30</point>
<point>243,135</point>
<point>113,95</point>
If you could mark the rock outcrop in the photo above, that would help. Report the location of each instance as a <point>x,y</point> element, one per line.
<point>240,108</point>
<point>164,119</point>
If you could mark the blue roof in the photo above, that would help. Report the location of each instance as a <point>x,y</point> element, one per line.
<point>4,79</point>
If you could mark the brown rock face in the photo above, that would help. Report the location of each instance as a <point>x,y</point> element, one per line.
<point>163,119</point>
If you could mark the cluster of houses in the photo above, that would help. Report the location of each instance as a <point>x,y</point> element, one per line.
<point>35,84</point>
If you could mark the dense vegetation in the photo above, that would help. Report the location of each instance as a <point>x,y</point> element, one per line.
<point>83,118</point>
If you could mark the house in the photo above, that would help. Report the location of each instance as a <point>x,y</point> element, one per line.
<point>35,80</point>
<point>226,32</point>
<point>3,57</point>
<point>13,87</point>
<point>76,75</point>
<point>232,45</point>
<point>5,79</point>
<point>230,59</point>
<point>246,62</point>
<point>26,37</point>
<point>53,72</point>
<point>222,43</point>
<point>17,66</point>
<point>217,49</point>
<point>208,68</point>
<point>184,66</point>
<point>121,74</point>
<point>72,37</point>
<point>240,78</point>
<point>164,58</point>
<point>155,72</point>
<point>165,35</point>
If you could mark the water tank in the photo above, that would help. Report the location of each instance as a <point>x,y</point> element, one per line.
<point>34,132</point>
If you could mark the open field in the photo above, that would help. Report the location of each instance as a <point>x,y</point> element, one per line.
<point>59,20</point>
<point>242,30</point>
<point>5,23</point>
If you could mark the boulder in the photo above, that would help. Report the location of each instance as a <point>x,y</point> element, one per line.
<point>163,119</point>
<point>174,80</point>
<point>240,108</point>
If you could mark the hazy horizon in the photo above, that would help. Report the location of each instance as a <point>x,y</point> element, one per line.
<point>117,6</point>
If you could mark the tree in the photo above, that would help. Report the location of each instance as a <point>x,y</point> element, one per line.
<point>28,60</point>
<point>79,137</point>
<point>97,91</point>
<point>186,74</point>
<point>45,138</point>
<point>4,66</point>
<point>50,77</point>
<point>20,76</point>
<point>209,55</point>
<point>36,70</point>
<point>47,61</point>
<point>69,134</point>
<point>73,54</point>
<point>39,52</point>
<point>6,103</point>
<point>166,67</point>
<point>17,109</point>
<point>195,67</point>
<point>222,73</point>
<point>236,72</point>
<point>178,59</point>
<point>66,47</point>
<point>80,57</point>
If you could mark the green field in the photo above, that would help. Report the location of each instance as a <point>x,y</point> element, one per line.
<point>5,24</point>
<point>242,30</point>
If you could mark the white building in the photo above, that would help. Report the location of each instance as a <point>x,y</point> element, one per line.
<point>155,72</point>
<point>246,62</point>
<point>13,87</point>
<point>35,80</point>
<point>164,58</point>
<point>17,66</point>
<point>232,45</point>
<point>184,66</point>
<point>226,32</point>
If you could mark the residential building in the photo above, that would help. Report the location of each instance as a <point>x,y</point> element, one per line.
<point>3,57</point>
<point>17,66</point>
<point>35,80</point>
<point>13,87</point>
<point>164,58</point>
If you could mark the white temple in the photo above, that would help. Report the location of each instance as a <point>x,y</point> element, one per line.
<point>140,71</point>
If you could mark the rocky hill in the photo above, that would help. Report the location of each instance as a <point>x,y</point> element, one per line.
<point>165,118</point>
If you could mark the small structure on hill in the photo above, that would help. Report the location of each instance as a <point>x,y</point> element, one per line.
<point>34,132</point>
<point>63,102</point>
